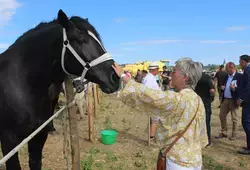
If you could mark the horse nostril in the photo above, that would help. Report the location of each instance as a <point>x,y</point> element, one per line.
<point>113,77</point>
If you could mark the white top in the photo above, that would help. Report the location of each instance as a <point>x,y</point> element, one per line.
<point>227,92</point>
<point>150,81</point>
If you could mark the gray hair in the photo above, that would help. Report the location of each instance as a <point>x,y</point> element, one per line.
<point>191,69</point>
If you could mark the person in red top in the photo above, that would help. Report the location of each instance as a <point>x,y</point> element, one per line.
<point>127,74</point>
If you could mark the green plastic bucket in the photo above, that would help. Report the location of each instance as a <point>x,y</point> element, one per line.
<point>108,136</point>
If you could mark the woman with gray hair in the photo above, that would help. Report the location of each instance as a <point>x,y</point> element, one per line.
<point>182,128</point>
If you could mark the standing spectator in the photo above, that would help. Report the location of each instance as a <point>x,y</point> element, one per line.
<point>181,111</point>
<point>206,90</point>
<point>220,78</point>
<point>144,73</point>
<point>230,96</point>
<point>244,100</point>
<point>150,81</point>
<point>165,78</point>
<point>127,73</point>
<point>158,79</point>
<point>80,97</point>
<point>139,76</point>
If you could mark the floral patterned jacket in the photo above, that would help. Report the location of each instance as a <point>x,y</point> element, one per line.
<point>175,110</point>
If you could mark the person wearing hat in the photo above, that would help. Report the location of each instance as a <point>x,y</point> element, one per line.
<point>150,79</point>
<point>151,82</point>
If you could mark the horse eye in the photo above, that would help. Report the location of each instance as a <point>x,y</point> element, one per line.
<point>82,40</point>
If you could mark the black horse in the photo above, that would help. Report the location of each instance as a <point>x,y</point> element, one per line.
<point>32,64</point>
<point>54,92</point>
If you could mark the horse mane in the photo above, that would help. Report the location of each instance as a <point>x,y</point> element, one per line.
<point>33,30</point>
<point>78,21</point>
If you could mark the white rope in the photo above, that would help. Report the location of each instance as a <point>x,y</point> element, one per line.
<point>26,140</point>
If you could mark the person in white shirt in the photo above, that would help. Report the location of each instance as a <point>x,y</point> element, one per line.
<point>80,97</point>
<point>150,81</point>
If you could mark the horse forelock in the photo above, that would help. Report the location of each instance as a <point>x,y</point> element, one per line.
<point>83,24</point>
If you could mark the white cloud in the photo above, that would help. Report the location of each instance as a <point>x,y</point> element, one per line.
<point>237,28</point>
<point>153,42</point>
<point>7,10</point>
<point>217,41</point>
<point>128,49</point>
<point>165,41</point>
<point>3,46</point>
<point>120,20</point>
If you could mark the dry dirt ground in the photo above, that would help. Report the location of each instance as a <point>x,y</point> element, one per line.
<point>131,150</point>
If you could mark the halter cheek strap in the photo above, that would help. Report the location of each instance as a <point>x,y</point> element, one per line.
<point>87,65</point>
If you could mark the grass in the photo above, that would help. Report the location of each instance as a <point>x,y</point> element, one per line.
<point>111,161</point>
<point>241,164</point>
<point>107,124</point>
<point>210,163</point>
<point>140,161</point>
<point>105,158</point>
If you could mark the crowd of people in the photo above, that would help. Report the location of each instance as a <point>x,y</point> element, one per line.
<point>179,102</point>
<point>163,77</point>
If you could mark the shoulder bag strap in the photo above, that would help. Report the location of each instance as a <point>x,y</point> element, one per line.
<point>180,134</point>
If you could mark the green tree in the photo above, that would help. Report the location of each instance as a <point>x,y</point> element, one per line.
<point>213,67</point>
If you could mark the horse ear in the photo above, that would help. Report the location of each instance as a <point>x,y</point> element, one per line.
<point>87,19</point>
<point>63,19</point>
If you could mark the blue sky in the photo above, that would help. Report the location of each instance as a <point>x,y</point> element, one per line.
<point>139,30</point>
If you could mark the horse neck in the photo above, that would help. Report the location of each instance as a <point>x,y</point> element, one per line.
<point>41,53</point>
<point>47,41</point>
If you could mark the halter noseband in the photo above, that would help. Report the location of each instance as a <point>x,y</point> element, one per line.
<point>87,65</point>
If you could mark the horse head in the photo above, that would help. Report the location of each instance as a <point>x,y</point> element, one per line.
<point>83,53</point>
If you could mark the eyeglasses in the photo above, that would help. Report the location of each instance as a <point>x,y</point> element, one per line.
<point>174,70</point>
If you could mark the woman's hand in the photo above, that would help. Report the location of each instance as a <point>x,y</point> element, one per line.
<point>119,72</point>
<point>117,69</point>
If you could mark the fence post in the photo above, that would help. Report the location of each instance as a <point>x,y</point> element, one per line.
<point>73,126</point>
<point>98,93</point>
<point>95,98</point>
<point>90,111</point>
<point>149,130</point>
